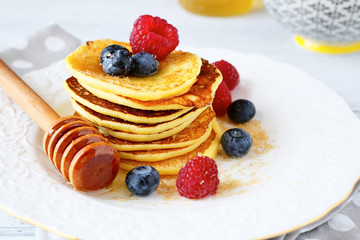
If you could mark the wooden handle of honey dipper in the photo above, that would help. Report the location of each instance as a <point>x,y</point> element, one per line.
<point>26,98</point>
<point>75,147</point>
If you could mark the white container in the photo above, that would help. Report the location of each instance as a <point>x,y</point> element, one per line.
<point>331,26</point>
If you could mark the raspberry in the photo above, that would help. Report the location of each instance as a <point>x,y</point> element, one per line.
<point>222,99</point>
<point>198,178</point>
<point>229,73</point>
<point>153,35</point>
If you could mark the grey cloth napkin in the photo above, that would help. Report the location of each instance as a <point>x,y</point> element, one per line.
<point>52,44</point>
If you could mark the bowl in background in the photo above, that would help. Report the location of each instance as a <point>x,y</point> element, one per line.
<point>328,26</point>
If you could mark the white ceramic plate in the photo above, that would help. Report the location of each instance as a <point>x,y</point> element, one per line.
<point>312,169</point>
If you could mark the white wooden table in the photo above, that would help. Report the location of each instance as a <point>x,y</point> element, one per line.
<point>255,33</point>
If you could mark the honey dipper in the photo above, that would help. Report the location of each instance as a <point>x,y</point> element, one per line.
<point>75,147</point>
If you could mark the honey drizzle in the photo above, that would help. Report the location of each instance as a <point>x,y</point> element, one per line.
<point>247,166</point>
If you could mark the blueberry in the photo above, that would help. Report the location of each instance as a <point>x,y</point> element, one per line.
<point>144,64</point>
<point>142,180</point>
<point>236,142</point>
<point>115,60</point>
<point>111,48</point>
<point>241,111</point>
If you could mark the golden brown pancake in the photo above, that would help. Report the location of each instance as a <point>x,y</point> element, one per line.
<point>175,75</point>
<point>162,120</point>
<point>195,132</point>
<point>161,154</point>
<point>83,96</point>
<point>120,124</point>
<point>172,166</point>
<point>199,95</point>
<point>135,137</point>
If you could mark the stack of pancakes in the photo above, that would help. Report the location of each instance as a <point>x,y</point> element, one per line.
<point>162,120</point>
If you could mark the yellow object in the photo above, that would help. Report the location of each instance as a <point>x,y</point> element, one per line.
<point>143,137</point>
<point>200,93</point>
<point>86,98</point>
<point>136,128</point>
<point>258,5</point>
<point>162,120</point>
<point>218,8</point>
<point>176,74</point>
<point>173,165</point>
<point>328,47</point>
<point>193,133</point>
<point>161,154</point>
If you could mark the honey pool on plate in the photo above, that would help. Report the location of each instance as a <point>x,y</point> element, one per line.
<point>230,183</point>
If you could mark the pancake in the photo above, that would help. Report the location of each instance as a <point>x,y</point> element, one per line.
<point>176,73</point>
<point>197,131</point>
<point>86,98</point>
<point>199,95</point>
<point>161,154</point>
<point>119,124</point>
<point>172,166</point>
<point>134,137</point>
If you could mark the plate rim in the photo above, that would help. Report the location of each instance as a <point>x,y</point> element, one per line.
<point>326,213</point>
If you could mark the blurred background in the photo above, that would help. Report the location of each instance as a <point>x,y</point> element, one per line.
<point>250,29</point>
<point>255,32</point>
